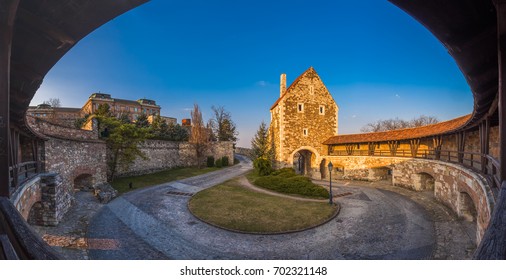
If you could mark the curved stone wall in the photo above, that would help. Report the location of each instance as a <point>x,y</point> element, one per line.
<point>451,182</point>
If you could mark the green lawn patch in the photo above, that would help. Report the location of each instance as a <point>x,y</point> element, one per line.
<point>233,207</point>
<point>142,181</point>
<point>288,182</point>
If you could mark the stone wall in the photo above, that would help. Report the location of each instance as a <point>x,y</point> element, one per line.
<point>43,200</point>
<point>450,182</point>
<point>45,127</point>
<point>244,151</point>
<point>161,155</point>
<point>304,117</point>
<point>72,158</point>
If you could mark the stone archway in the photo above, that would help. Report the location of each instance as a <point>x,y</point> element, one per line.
<point>381,174</point>
<point>305,161</point>
<point>83,182</point>
<point>467,209</point>
<point>423,181</point>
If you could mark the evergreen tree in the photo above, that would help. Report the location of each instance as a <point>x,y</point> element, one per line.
<point>142,121</point>
<point>260,143</point>
<point>122,140</point>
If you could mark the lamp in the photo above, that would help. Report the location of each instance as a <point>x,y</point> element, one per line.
<point>330,166</point>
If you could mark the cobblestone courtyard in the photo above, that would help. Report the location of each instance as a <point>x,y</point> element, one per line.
<point>377,221</point>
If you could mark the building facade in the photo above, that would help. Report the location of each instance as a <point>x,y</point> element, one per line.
<point>67,116</point>
<point>59,115</point>
<point>303,117</point>
<point>133,109</point>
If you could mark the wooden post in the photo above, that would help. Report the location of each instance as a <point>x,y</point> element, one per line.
<point>414,144</point>
<point>484,143</point>
<point>493,244</point>
<point>501,91</point>
<point>460,146</point>
<point>8,10</point>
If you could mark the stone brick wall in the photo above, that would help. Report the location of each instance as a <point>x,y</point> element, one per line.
<point>51,129</point>
<point>298,123</point>
<point>43,200</point>
<point>163,155</point>
<point>450,181</point>
<point>244,151</point>
<point>26,195</point>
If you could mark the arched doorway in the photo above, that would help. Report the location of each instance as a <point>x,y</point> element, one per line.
<point>381,174</point>
<point>467,210</point>
<point>83,182</point>
<point>423,182</point>
<point>303,161</point>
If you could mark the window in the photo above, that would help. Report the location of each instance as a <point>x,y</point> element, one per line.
<point>126,108</point>
<point>135,109</point>
<point>300,107</point>
<point>322,110</point>
<point>305,132</point>
<point>311,89</point>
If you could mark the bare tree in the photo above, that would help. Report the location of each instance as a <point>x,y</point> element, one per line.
<point>393,124</point>
<point>199,134</point>
<point>53,102</point>
<point>423,120</point>
<point>224,128</point>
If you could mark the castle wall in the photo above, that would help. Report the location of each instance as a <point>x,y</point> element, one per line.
<point>162,155</point>
<point>450,181</point>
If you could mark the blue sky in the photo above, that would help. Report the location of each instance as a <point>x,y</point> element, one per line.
<point>377,61</point>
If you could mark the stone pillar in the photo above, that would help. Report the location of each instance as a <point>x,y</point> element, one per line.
<point>8,10</point>
<point>282,85</point>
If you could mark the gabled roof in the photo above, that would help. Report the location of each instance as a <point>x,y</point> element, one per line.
<point>310,69</point>
<point>401,134</point>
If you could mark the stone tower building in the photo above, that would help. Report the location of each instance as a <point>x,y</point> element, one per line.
<point>301,120</point>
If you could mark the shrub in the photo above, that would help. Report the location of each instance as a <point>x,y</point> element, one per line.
<point>210,161</point>
<point>236,161</point>
<point>262,166</point>
<point>218,163</point>
<point>224,161</point>
<point>286,181</point>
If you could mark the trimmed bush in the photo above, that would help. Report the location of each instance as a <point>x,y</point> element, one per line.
<point>224,161</point>
<point>263,166</point>
<point>286,181</point>
<point>218,163</point>
<point>210,161</point>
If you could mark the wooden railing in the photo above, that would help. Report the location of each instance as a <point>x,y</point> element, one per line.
<point>20,173</point>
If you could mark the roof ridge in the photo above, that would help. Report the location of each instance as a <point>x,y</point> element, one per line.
<point>400,134</point>
<point>292,84</point>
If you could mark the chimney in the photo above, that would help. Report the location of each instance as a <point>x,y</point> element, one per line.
<point>282,85</point>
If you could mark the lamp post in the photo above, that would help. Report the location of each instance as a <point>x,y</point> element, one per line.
<point>330,166</point>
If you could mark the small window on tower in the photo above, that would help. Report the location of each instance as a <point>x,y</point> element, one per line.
<point>311,89</point>
<point>305,132</point>
<point>322,110</point>
<point>300,107</point>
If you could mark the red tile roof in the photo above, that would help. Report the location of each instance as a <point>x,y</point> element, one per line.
<point>401,134</point>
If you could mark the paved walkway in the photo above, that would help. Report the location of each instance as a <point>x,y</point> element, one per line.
<point>376,222</point>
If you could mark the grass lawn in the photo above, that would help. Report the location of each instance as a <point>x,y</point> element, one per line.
<point>138,182</point>
<point>231,206</point>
